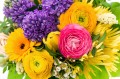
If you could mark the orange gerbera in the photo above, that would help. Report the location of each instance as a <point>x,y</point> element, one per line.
<point>17,45</point>
<point>81,13</point>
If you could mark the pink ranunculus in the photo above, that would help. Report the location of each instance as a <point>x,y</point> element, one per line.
<point>74,41</point>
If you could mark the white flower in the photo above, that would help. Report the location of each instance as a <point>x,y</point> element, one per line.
<point>55,63</point>
<point>73,75</point>
<point>64,66</point>
<point>66,75</point>
<point>54,72</point>
<point>3,39</point>
<point>107,18</point>
<point>19,67</point>
<point>58,69</point>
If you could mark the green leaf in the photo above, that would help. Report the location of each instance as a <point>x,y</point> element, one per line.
<point>116,26</point>
<point>4,69</point>
<point>95,37</point>
<point>13,74</point>
<point>103,37</point>
<point>102,46</point>
<point>115,4</point>
<point>100,74</point>
<point>56,60</point>
<point>81,65</point>
<point>82,76</point>
<point>52,53</point>
<point>94,51</point>
<point>27,77</point>
<point>39,48</point>
<point>105,4</point>
<point>98,2</point>
<point>116,11</point>
<point>36,2</point>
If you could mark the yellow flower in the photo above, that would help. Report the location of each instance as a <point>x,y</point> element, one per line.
<point>17,45</point>
<point>81,13</point>
<point>52,40</point>
<point>101,28</point>
<point>38,65</point>
<point>113,39</point>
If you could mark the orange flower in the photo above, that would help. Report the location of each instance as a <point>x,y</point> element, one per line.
<point>17,45</point>
<point>81,13</point>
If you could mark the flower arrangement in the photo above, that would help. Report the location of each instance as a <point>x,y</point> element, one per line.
<point>60,39</point>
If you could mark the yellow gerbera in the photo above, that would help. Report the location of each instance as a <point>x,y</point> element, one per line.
<point>81,13</point>
<point>17,45</point>
<point>38,65</point>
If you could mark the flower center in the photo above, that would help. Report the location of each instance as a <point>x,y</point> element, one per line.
<point>81,19</point>
<point>37,63</point>
<point>73,43</point>
<point>22,46</point>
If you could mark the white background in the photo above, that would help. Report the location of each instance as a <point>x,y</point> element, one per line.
<point>4,76</point>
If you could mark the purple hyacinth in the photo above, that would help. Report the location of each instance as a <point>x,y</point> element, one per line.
<point>56,7</point>
<point>18,10</point>
<point>38,24</point>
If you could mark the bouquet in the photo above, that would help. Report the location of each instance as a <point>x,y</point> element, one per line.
<point>60,39</point>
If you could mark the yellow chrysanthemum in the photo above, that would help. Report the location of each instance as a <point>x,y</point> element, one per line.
<point>101,28</point>
<point>17,45</point>
<point>38,65</point>
<point>107,56</point>
<point>101,10</point>
<point>52,40</point>
<point>81,13</point>
<point>113,39</point>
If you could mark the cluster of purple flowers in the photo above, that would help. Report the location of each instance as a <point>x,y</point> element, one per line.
<point>18,10</point>
<point>37,23</point>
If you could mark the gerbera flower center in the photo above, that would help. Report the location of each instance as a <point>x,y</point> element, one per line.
<point>22,46</point>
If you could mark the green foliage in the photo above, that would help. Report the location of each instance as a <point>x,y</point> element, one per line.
<point>100,74</point>
<point>102,38</point>
<point>36,2</point>
<point>98,2</point>
<point>52,53</point>
<point>8,66</point>
<point>13,74</point>
<point>39,48</point>
<point>6,26</point>
<point>4,69</point>
<point>95,37</point>
<point>27,77</point>
<point>94,51</point>
<point>116,26</point>
<point>115,9</point>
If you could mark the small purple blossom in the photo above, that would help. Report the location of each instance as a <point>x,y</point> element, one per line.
<point>38,24</point>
